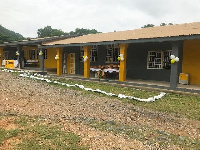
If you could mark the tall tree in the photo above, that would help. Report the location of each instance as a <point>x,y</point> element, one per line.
<point>48,32</point>
<point>82,31</point>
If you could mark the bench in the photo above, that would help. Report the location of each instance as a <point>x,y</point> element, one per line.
<point>32,63</point>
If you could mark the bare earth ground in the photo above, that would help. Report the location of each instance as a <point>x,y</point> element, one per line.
<point>29,97</point>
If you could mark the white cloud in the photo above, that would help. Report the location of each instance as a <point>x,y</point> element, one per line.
<point>26,16</point>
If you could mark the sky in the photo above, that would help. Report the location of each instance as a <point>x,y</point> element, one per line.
<point>27,16</point>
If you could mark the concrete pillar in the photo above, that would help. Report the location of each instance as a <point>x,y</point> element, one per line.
<point>175,67</point>
<point>87,50</point>
<point>41,54</point>
<point>1,55</point>
<point>19,49</point>
<point>59,60</point>
<point>122,68</point>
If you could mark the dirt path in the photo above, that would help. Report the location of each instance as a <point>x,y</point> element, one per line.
<point>28,97</point>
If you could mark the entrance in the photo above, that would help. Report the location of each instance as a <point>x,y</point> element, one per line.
<point>71,63</point>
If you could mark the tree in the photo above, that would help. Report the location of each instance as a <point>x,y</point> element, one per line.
<point>148,25</point>
<point>151,25</point>
<point>49,32</point>
<point>82,31</point>
<point>163,24</point>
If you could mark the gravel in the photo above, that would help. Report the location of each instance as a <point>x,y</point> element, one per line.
<point>74,109</point>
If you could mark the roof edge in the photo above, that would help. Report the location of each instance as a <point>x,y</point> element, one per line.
<point>160,39</point>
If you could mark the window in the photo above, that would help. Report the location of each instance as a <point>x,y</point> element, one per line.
<point>32,54</point>
<point>5,55</point>
<point>38,57</point>
<point>93,54</point>
<point>166,59</point>
<point>159,60</point>
<point>112,53</point>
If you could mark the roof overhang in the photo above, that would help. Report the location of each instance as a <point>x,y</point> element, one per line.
<point>159,39</point>
<point>33,42</point>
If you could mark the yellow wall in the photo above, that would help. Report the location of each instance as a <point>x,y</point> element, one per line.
<point>50,62</point>
<point>191,60</point>
<point>26,51</point>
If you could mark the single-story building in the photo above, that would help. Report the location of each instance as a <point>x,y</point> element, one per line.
<point>145,53</point>
<point>25,53</point>
<point>135,54</point>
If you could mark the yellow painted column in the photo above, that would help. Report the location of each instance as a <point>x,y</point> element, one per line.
<point>1,55</point>
<point>122,68</point>
<point>87,62</point>
<point>59,60</point>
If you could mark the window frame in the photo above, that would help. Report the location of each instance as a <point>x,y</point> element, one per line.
<point>112,53</point>
<point>32,55</point>
<point>5,55</point>
<point>163,59</point>
<point>93,56</point>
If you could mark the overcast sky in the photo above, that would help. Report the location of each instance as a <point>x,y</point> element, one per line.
<point>27,16</point>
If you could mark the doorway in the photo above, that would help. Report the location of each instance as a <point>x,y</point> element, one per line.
<point>71,63</point>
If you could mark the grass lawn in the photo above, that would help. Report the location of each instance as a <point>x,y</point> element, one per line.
<point>34,133</point>
<point>182,105</point>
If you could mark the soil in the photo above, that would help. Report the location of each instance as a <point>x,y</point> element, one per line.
<point>28,97</point>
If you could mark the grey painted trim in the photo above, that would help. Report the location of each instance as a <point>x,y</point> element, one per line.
<point>42,60</point>
<point>175,66</point>
<point>162,39</point>
<point>19,47</point>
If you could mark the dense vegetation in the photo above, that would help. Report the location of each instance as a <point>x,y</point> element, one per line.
<point>48,32</point>
<point>7,35</point>
<point>152,25</point>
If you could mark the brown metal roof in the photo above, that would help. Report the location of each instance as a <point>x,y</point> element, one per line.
<point>143,33</point>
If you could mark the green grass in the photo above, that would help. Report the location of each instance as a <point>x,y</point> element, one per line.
<point>180,105</point>
<point>115,89</point>
<point>4,134</point>
<point>36,134</point>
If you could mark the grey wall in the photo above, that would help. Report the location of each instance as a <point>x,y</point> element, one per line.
<point>101,58</point>
<point>75,50</point>
<point>137,61</point>
<point>12,53</point>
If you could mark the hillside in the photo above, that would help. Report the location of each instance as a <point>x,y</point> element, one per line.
<point>8,35</point>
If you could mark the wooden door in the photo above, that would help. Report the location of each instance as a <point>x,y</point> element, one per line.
<point>71,63</point>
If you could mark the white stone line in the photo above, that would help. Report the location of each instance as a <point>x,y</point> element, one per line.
<point>44,78</point>
<point>150,99</point>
